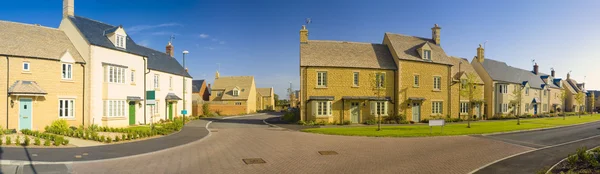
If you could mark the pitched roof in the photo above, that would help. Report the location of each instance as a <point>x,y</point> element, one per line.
<point>25,87</point>
<point>197,85</point>
<point>18,39</point>
<point>345,54</point>
<point>500,71</point>
<point>265,92</point>
<point>94,32</point>
<point>405,47</point>
<point>465,67</point>
<point>573,83</point>
<point>228,83</point>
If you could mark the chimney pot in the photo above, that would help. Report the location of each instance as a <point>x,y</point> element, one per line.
<point>435,34</point>
<point>303,34</point>
<point>480,54</point>
<point>169,50</point>
<point>535,69</point>
<point>552,72</point>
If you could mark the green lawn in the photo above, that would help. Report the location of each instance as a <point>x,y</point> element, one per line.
<point>455,129</point>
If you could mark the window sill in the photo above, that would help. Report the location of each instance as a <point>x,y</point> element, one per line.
<point>415,86</point>
<point>435,114</point>
<point>105,118</point>
<point>170,89</point>
<point>133,84</point>
<point>156,89</point>
<point>436,90</point>
<point>323,116</point>
<point>355,86</point>
<point>321,87</point>
<point>68,119</point>
<point>67,81</point>
<point>25,72</point>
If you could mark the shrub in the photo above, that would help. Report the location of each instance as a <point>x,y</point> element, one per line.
<point>117,139</point>
<point>124,137</point>
<point>347,122</point>
<point>206,109</point>
<point>396,118</point>
<point>65,141</point>
<point>371,122</point>
<point>424,120</point>
<point>18,140</point>
<point>8,140</point>
<point>93,127</point>
<point>109,140</point>
<point>58,126</point>
<point>36,141</point>
<point>403,122</point>
<point>301,122</point>
<point>46,142</point>
<point>58,141</point>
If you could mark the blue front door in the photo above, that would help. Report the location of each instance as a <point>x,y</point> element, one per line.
<point>25,105</point>
<point>535,109</point>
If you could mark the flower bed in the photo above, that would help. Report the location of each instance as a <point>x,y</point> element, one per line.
<point>583,161</point>
<point>36,138</point>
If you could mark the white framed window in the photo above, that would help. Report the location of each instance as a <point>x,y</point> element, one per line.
<point>238,103</point>
<point>156,109</point>
<point>67,71</point>
<point>380,79</point>
<point>236,92</point>
<point>544,92</point>
<point>26,66</point>
<point>416,81</point>
<point>463,84</point>
<point>427,54</point>
<point>322,108</point>
<point>170,82</point>
<point>115,108</point>
<point>437,82</point>
<point>156,81</point>
<point>504,107</point>
<point>526,91</point>
<point>379,108</point>
<point>321,79</point>
<point>526,107</point>
<point>503,88</point>
<point>464,107</point>
<point>355,80</point>
<point>66,108</point>
<point>115,74</point>
<point>545,107</point>
<point>219,94</point>
<point>132,78</point>
<point>436,107</point>
<point>120,41</point>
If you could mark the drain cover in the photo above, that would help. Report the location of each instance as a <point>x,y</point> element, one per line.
<point>328,152</point>
<point>254,161</point>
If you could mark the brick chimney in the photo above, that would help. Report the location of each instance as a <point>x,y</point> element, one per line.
<point>568,75</point>
<point>68,8</point>
<point>170,50</point>
<point>303,34</point>
<point>552,72</point>
<point>435,34</point>
<point>480,54</point>
<point>535,69</point>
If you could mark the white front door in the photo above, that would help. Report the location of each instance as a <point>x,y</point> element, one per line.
<point>477,111</point>
<point>355,112</point>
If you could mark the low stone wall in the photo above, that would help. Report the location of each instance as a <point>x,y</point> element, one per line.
<point>223,109</point>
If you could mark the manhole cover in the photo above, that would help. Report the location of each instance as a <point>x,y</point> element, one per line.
<point>328,152</point>
<point>254,161</point>
<point>214,131</point>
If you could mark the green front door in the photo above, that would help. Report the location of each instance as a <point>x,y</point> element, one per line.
<point>170,111</point>
<point>131,113</point>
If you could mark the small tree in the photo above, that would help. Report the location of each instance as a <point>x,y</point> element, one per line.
<point>592,102</point>
<point>563,96</point>
<point>517,100</point>
<point>467,89</point>
<point>579,97</point>
<point>379,84</point>
<point>206,109</point>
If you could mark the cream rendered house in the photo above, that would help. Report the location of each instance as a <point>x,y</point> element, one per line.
<point>571,89</point>
<point>502,80</point>
<point>116,73</point>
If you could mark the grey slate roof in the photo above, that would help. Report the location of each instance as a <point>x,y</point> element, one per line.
<point>596,93</point>
<point>196,85</point>
<point>500,71</point>
<point>94,33</point>
<point>577,87</point>
<point>26,87</point>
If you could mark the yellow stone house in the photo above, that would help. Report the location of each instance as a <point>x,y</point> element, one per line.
<point>345,81</point>
<point>232,95</point>
<point>265,99</point>
<point>42,77</point>
<point>461,105</point>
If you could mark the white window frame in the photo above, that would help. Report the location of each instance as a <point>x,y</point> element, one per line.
<point>67,71</point>
<point>120,40</point>
<point>115,74</point>
<point>156,109</point>
<point>427,54</point>
<point>437,107</point>
<point>504,107</point>
<point>526,107</point>
<point>236,92</point>
<point>132,77</point>
<point>28,66</point>
<point>527,91</point>
<point>323,108</point>
<point>156,81</point>
<point>66,108</point>
<point>464,107</point>
<point>380,79</point>
<point>115,108</point>
<point>416,80</point>
<point>322,79</point>
<point>503,88</point>
<point>238,103</point>
<point>379,108</point>
<point>355,79</point>
<point>437,83</point>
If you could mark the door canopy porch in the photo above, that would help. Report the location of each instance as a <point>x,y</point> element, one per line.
<point>26,88</point>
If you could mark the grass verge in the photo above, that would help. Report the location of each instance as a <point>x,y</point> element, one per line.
<point>483,127</point>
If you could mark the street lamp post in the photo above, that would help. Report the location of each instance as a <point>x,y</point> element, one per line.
<point>184,53</point>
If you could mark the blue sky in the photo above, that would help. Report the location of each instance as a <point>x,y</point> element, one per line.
<point>261,38</point>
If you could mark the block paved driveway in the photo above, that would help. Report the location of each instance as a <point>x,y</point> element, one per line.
<point>288,151</point>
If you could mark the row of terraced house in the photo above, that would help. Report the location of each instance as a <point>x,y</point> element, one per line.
<point>86,72</point>
<point>413,77</point>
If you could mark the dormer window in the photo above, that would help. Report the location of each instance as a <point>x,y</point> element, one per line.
<point>427,54</point>
<point>120,40</point>
<point>236,92</point>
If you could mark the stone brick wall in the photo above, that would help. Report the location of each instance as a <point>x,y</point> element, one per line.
<point>426,72</point>
<point>47,74</point>
<point>339,84</point>
<point>456,99</point>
